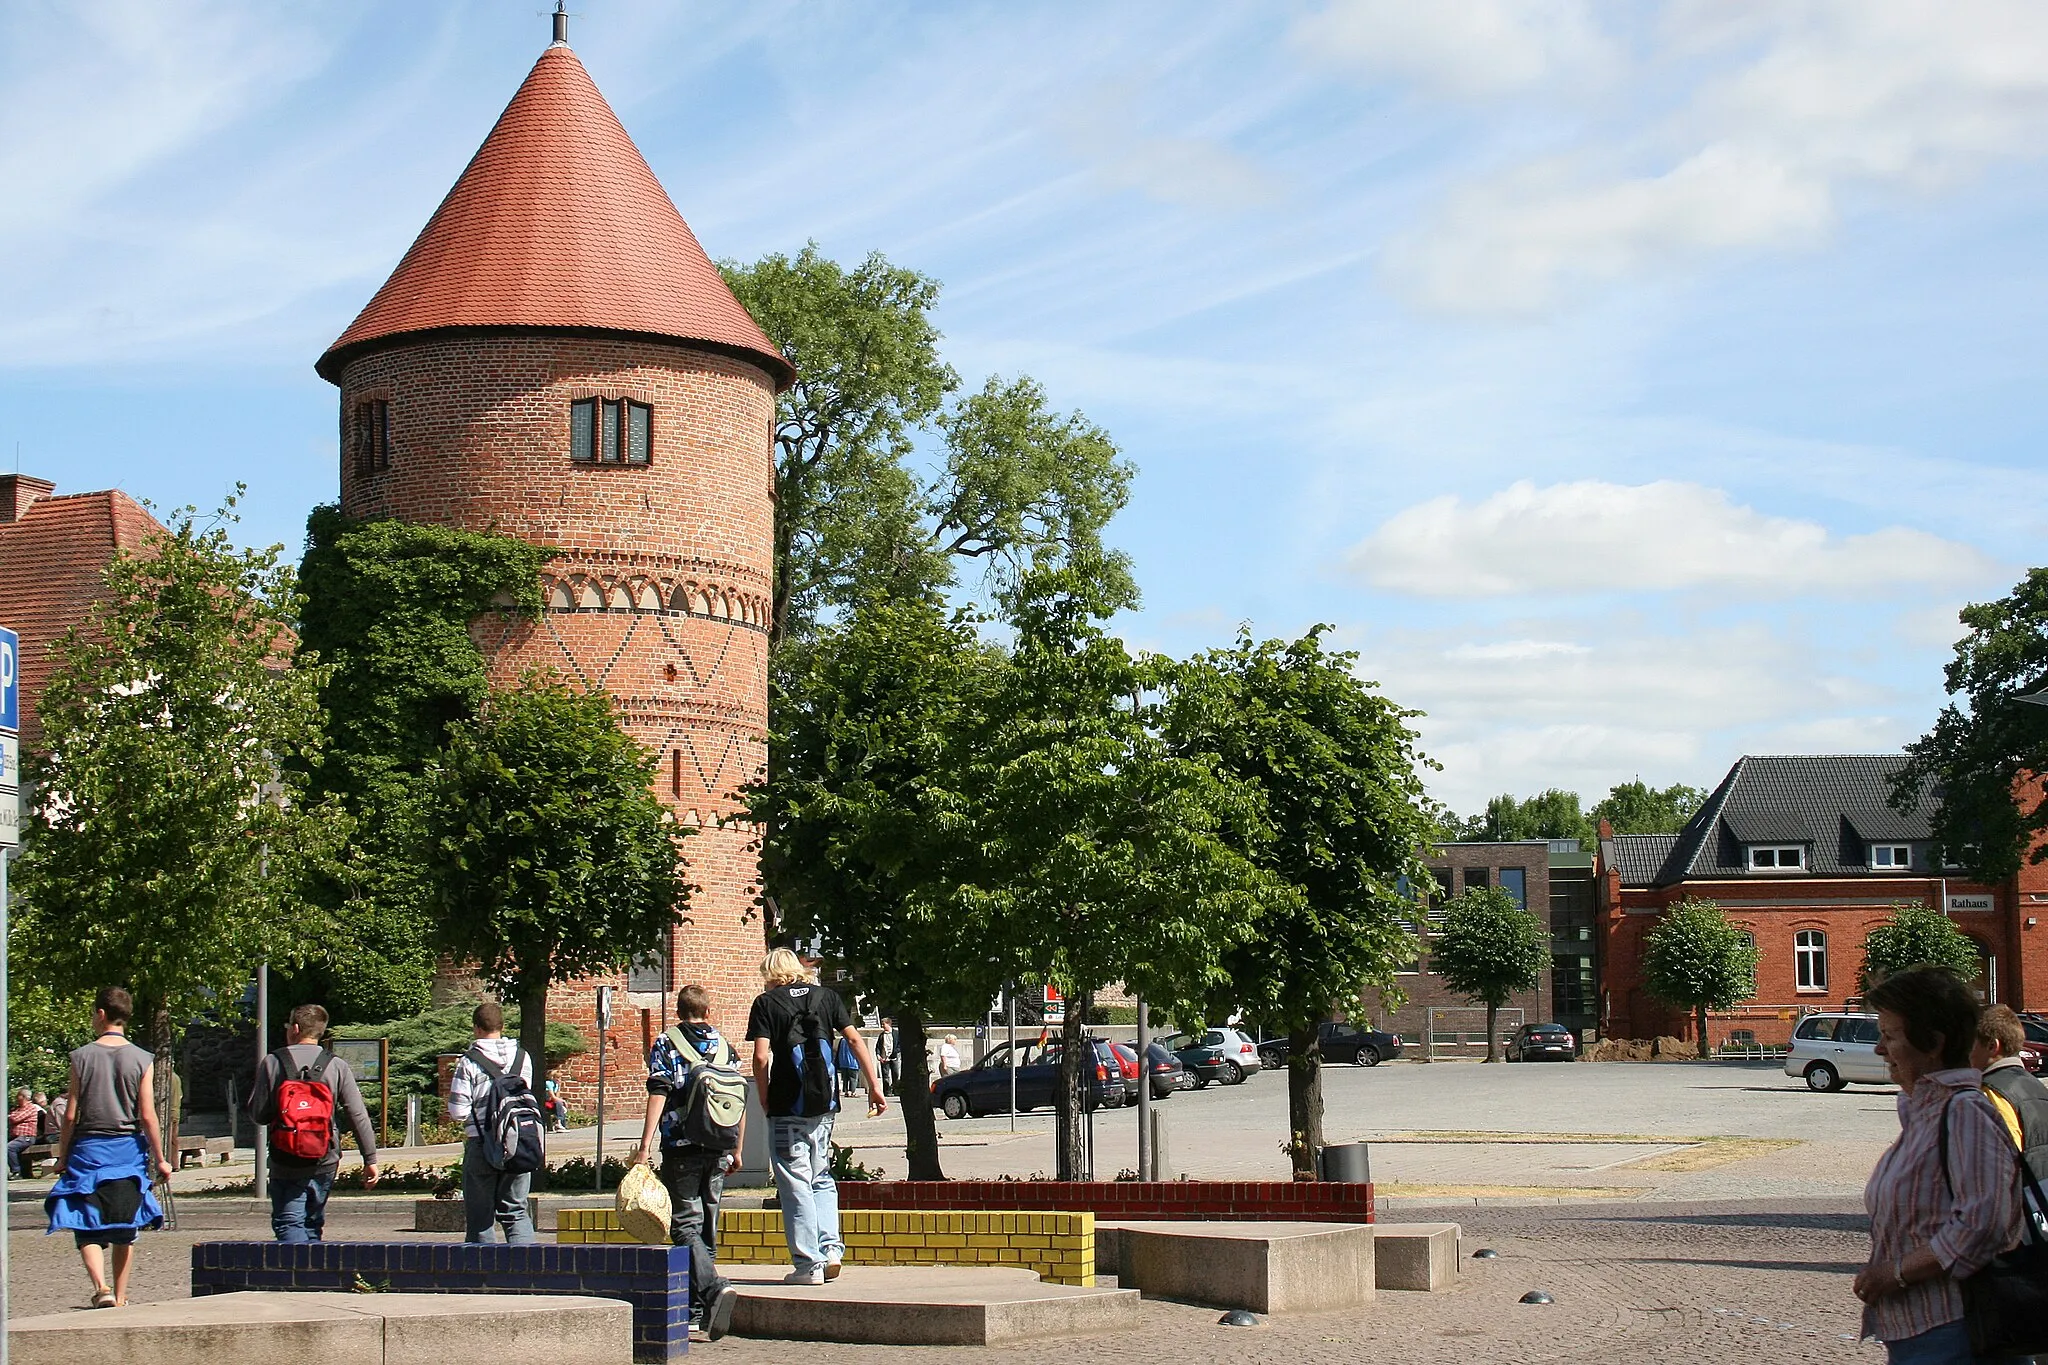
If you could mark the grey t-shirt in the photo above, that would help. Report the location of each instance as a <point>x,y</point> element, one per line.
<point>109,1087</point>
<point>348,1103</point>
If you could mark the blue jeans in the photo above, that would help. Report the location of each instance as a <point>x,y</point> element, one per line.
<point>490,1195</point>
<point>15,1147</point>
<point>1948,1344</point>
<point>800,1150</point>
<point>298,1205</point>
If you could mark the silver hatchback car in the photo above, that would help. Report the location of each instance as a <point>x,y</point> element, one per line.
<point>1831,1050</point>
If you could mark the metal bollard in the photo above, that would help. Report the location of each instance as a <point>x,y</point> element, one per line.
<point>412,1120</point>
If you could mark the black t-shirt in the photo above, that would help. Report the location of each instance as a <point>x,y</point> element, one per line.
<point>774,1017</point>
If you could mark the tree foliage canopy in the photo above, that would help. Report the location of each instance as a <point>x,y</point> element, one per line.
<point>1988,758</point>
<point>1488,947</point>
<point>1916,936</point>
<point>546,853</point>
<point>1696,958</point>
<point>174,833</point>
<point>1633,807</point>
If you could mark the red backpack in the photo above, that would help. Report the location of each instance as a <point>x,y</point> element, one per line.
<point>304,1127</point>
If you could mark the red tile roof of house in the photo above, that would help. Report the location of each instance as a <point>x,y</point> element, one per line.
<point>559,222</point>
<point>52,557</point>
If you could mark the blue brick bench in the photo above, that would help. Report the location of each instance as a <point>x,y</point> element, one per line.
<point>655,1280</point>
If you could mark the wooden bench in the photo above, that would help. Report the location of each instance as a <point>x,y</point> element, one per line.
<point>42,1151</point>
<point>190,1149</point>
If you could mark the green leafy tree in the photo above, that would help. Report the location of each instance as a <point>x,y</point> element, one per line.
<point>389,605</point>
<point>1018,486</point>
<point>1551,814</point>
<point>1988,756</point>
<point>869,832</point>
<point>1104,855</point>
<point>173,839</point>
<point>1638,808</point>
<point>545,850</point>
<point>1916,936</point>
<point>1342,820</point>
<point>1696,959</point>
<point>1488,949</point>
<point>42,1028</point>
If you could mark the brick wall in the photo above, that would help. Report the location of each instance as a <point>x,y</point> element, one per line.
<point>1311,1201</point>
<point>658,591</point>
<point>654,1280</point>
<point>1426,990</point>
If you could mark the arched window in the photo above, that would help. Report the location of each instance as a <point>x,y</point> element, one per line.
<point>1810,959</point>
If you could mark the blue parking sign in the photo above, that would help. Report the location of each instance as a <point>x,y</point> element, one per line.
<point>10,682</point>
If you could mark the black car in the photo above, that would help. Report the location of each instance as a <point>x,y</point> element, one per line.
<point>1340,1042</point>
<point>1543,1043</point>
<point>985,1087</point>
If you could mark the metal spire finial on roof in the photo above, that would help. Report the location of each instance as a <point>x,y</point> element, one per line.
<point>561,17</point>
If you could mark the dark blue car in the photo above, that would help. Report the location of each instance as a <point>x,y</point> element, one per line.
<point>985,1087</point>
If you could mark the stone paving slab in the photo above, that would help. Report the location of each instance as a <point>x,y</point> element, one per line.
<point>334,1329</point>
<point>1263,1267</point>
<point>925,1306</point>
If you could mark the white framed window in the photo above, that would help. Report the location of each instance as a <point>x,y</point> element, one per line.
<point>1891,855</point>
<point>1810,959</point>
<point>1775,856</point>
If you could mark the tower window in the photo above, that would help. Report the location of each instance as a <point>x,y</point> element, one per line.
<point>373,436</point>
<point>610,431</point>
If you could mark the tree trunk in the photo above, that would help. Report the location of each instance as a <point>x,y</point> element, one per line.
<point>1492,1032</point>
<point>158,1037</point>
<point>1304,1098</point>
<point>533,1027</point>
<point>1071,1149</point>
<point>1700,1031</point>
<point>914,1093</point>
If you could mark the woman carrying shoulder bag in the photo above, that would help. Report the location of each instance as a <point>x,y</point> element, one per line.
<point>1940,1212</point>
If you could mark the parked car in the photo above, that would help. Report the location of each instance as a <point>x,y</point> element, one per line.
<point>1831,1050</point>
<point>2034,1054</point>
<point>1225,1055</point>
<point>1543,1043</point>
<point>985,1087</point>
<point>1168,1075</point>
<point>1340,1043</point>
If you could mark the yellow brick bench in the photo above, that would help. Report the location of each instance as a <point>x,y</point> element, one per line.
<point>1059,1246</point>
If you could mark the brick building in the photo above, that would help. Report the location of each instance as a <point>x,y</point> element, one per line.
<point>54,552</point>
<point>556,358</point>
<point>1807,855</point>
<point>1553,878</point>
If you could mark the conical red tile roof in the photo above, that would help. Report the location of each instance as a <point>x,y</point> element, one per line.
<point>558,222</point>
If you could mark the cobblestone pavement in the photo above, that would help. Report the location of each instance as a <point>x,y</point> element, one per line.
<point>1677,1284</point>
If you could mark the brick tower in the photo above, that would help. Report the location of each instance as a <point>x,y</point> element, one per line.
<point>556,358</point>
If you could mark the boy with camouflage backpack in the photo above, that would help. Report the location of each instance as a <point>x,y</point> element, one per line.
<point>697,1107</point>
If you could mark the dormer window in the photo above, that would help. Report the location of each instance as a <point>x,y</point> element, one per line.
<point>1773,858</point>
<point>610,431</point>
<point>1889,857</point>
<point>372,436</point>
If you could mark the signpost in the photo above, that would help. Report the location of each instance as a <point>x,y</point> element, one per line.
<point>10,839</point>
<point>369,1059</point>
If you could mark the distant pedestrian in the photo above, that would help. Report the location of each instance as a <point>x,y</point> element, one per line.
<point>2021,1101</point>
<point>849,1065</point>
<point>1939,1209</point>
<point>299,1092</point>
<point>47,1121</point>
<point>949,1055</point>
<point>109,1150</point>
<point>888,1057</point>
<point>493,1084</point>
<point>558,1109</point>
<point>697,1112</point>
<point>24,1129</point>
<point>793,1027</point>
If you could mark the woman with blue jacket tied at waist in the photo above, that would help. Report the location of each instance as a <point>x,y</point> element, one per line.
<point>109,1150</point>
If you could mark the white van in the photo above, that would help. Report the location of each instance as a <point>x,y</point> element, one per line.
<point>1831,1050</point>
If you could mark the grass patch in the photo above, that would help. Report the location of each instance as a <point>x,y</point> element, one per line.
<point>1402,1191</point>
<point>1456,1135</point>
<point>1712,1152</point>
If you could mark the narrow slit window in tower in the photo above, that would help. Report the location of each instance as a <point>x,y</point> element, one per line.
<point>583,430</point>
<point>373,436</point>
<point>608,447</point>
<point>639,432</point>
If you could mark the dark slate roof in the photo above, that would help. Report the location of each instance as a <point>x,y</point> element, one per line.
<point>1835,804</point>
<point>1642,857</point>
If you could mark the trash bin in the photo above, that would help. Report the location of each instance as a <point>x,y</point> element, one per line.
<point>1348,1162</point>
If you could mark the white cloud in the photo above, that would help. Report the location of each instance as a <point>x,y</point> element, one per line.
<point>1591,536</point>
<point>1462,47</point>
<point>1190,171</point>
<point>1804,104</point>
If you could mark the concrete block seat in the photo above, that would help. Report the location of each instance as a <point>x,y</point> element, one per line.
<point>1264,1267</point>
<point>924,1306</point>
<point>1419,1256</point>
<point>332,1328</point>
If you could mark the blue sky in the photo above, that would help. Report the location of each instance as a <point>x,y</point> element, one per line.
<point>1634,386</point>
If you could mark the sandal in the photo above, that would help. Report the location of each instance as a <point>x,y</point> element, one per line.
<point>103,1298</point>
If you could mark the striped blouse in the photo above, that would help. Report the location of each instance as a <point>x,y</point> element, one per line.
<point>1966,1218</point>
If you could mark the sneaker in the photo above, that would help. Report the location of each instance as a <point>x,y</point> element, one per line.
<point>832,1269</point>
<point>815,1275</point>
<point>718,1312</point>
